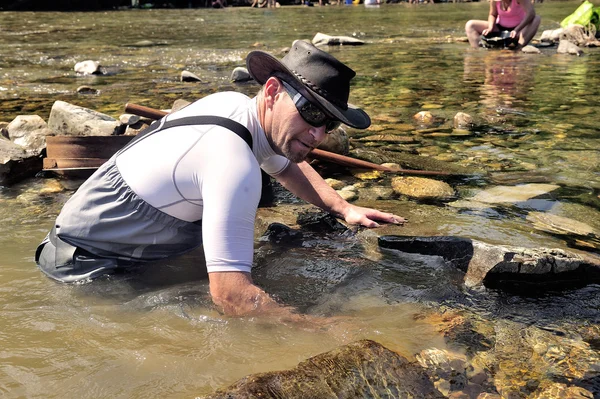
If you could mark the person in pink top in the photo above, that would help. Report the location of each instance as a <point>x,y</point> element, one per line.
<point>516,16</point>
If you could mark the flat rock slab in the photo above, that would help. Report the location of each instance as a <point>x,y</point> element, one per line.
<point>512,194</point>
<point>480,261</point>
<point>362,369</point>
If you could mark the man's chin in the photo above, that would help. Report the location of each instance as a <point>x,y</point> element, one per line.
<point>297,156</point>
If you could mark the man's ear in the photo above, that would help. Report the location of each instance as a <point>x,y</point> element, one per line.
<point>272,87</point>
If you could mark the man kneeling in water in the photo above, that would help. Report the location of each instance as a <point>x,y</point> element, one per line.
<point>194,178</point>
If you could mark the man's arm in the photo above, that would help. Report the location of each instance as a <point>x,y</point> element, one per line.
<point>304,182</point>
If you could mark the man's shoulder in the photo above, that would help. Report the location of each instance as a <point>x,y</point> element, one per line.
<point>230,98</point>
<point>225,104</point>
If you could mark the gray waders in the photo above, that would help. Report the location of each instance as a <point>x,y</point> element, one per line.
<point>105,226</point>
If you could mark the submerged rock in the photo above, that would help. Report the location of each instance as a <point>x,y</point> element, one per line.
<point>423,117</point>
<point>446,368</point>
<point>411,161</point>
<point>529,361</point>
<point>512,194</point>
<point>422,188</point>
<point>319,221</point>
<point>561,225</point>
<point>363,369</point>
<point>348,193</point>
<point>279,233</point>
<point>463,121</point>
<point>335,184</point>
<point>87,90</point>
<point>560,391</point>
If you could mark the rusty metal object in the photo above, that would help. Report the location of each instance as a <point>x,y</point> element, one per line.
<point>84,146</point>
<point>77,153</point>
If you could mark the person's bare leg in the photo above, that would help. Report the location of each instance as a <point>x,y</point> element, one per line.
<point>473,29</point>
<point>529,31</point>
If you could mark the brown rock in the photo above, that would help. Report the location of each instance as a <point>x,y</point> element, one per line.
<point>462,120</point>
<point>422,188</point>
<point>358,370</point>
<point>423,117</point>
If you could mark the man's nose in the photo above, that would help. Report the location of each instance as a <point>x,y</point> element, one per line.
<point>318,133</point>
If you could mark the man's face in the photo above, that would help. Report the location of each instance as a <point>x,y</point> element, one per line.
<point>291,135</point>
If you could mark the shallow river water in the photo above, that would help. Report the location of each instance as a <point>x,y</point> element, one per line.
<point>155,333</point>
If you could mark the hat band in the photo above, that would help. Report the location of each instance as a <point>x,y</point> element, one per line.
<point>321,92</point>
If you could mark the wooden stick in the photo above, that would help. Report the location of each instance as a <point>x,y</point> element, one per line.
<point>316,153</point>
<point>146,112</point>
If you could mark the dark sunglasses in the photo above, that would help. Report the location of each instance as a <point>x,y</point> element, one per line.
<point>312,114</point>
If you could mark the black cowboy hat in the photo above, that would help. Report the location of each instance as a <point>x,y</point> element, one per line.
<point>317,75</point>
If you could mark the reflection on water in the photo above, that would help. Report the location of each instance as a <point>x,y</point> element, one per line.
<point>155,333</point>
<point>505,78</point>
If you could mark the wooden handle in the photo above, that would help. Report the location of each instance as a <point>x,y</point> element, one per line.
<point>146,112</point>
<point>346,161</point>
<point>315,154</point>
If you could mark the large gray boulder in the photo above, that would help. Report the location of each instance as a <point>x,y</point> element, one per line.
<point>69,119</point>
<point>362,369</point>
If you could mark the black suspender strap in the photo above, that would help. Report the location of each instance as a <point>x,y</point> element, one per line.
<point>159,125</point>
